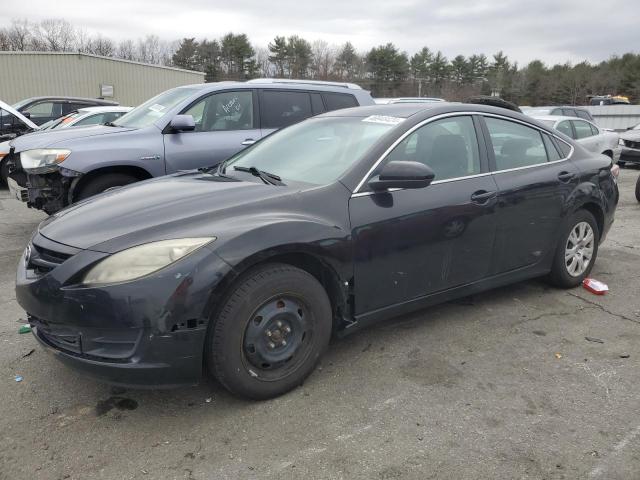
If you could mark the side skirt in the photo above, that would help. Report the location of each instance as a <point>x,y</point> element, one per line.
<point>514,276</point>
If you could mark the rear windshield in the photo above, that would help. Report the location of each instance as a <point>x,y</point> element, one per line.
<point>153,109</point>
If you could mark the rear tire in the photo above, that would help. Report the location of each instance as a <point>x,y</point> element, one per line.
<point>270,332</point>
<point>104,182</point>
<point>576,251</point>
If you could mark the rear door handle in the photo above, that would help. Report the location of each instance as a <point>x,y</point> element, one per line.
<point>482,196</point>
<point>566,177</point>
<point>248,141</point>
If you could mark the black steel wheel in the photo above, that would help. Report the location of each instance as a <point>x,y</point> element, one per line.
<point>269,332</point>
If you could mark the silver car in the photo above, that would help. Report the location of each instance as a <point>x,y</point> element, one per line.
<point>181,129</point>
<point>592,137</point>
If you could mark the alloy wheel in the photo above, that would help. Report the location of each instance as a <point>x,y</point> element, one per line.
<point>579,249</point>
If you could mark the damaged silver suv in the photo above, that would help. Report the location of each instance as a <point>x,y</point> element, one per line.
<point>181,129</point>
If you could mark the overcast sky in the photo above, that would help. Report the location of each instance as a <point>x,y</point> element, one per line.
<point>550,30</point>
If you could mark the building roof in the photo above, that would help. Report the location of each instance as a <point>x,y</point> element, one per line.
<point>113,59</point>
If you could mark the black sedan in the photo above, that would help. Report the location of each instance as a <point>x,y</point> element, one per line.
<point>348,218</point>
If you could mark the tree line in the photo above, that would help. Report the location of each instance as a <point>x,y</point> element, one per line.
<point>385,70</point>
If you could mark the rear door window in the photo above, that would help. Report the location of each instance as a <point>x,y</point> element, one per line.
<point>552,151</point>
<point>565,127</point>
<point>280,108</point>
<point>336,101</point>
<point>583,114</point>
<point>594,129</point>
<point>515,145</point>
<point>569,112</point>
<point>583,129</point>
<point>316,103</point>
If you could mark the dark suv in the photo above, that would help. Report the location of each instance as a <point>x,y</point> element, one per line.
<point>42,109</point>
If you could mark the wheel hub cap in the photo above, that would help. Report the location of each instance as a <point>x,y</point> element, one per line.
<point>579,249</point>
<point>275,333</point>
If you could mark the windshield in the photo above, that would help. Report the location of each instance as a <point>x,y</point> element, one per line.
<point>316,151</point>
<point>21,103</point>
<point>153,109</point>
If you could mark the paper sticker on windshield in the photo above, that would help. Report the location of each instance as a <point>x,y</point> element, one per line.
<point>385,120</point>
<point>157,108</point>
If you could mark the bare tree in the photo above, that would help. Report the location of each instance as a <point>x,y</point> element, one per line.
<point>323,56</point>
<point>264,65</point>
<point>19,35</point>
<point>57,35</point>
<point>126,50</point>
<point>102,46</point>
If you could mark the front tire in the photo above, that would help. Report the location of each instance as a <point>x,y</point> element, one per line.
<point>270,332</point>
<point>576,251</point>
<point>104,182</point>
<point>638,189</point>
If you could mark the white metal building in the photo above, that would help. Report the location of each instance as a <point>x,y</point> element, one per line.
<point>31,74</point>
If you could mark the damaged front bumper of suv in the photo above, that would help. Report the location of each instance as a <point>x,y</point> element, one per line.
<point>49,191</point>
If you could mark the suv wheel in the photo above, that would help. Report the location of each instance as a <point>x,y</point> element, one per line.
<point>269,332</point>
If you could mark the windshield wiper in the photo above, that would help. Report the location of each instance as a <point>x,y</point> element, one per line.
<point>266,177</point>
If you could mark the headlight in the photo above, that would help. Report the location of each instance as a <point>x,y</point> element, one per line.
<point>42,160</point>
<point>142,260</point>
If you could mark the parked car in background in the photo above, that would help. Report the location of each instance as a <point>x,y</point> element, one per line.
<point>42,109</point>
<point>324,227</point>
<point>87,116</point>
<point>630,146</point>
<point>387,101</point>
<point>183,128</point>
<point>608,100</point>
<point>82,118</point>
<point>592,137</point>
<point>564,111</point>
<point>13,123</point>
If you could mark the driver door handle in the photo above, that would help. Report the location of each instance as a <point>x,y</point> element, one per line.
<point>482,196</point>
<point>248,141</point>
<point>566,177</point>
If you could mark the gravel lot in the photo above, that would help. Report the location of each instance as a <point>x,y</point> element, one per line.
<point>503,385</point>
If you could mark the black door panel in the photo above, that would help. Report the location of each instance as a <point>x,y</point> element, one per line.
<point>411,243</point>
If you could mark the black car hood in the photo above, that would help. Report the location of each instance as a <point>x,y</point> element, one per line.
<point>176,206</point>
<point>633,135</point>
<point>50,138</point>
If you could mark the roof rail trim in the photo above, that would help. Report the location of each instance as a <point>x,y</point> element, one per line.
<point>320,83</point>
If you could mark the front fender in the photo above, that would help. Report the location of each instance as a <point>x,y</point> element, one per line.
<point>268,237</point>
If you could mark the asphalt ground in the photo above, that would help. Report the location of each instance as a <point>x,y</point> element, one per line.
<point>503,385</point>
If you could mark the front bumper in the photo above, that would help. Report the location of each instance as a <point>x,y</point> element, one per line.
<point>149,332</point>
<point>630,155</point>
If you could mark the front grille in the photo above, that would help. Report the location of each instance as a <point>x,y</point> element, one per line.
<point>61,337</point>
<point>632,144</point>
<point>42,260</point>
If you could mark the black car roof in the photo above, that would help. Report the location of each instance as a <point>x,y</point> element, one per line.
<point>406,110</point>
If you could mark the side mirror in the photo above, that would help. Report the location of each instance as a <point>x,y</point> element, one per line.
<point>402,174</point>
<point>183,123</point>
